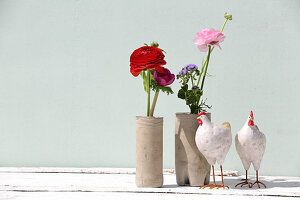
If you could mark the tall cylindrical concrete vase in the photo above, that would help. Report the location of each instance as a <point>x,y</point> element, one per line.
<point>190,165</point>
<point>149,152</point>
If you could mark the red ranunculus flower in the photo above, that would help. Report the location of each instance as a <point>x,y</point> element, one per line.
<point>146,57</point>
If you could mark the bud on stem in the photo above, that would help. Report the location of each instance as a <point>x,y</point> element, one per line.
<point>228,16</point>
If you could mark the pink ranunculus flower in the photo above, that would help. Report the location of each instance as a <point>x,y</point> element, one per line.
<point>209,36</point>
<point>165,78</point>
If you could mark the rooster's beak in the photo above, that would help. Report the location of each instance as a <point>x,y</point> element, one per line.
<point>198,118</point>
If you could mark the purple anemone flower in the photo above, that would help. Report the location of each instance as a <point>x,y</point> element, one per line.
<point>165,78</point>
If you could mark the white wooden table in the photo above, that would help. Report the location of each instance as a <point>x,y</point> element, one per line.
<point>99,183</point>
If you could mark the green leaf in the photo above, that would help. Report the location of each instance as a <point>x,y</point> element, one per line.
<point>203,106</point>
<point>194,109</point>
<point>154,86</point>
<point>181,94</point>
<point>191,97</point>
<point>199,92</point>
<point>166,89</point>
<point>185,87</point>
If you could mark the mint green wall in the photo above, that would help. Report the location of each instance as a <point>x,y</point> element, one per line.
<point>67,97</point>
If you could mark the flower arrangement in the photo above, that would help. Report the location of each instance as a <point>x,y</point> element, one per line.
<point>207,39</point>
<point>147,61</point>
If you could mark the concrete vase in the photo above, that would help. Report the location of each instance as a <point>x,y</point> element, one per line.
<point>190,165</point>
<point>149,152</point>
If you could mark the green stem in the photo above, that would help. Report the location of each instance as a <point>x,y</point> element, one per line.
<point>154,103</point>
<point>200,75</point>
<point>148,92</point>
<point>224,25</point>
<point>204,75</point>
<point>192,77</point>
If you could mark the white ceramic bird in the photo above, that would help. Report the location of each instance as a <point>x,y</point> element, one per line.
<point>214,142</point>
<point>250,144</point>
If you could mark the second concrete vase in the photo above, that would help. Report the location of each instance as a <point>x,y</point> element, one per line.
<point>190,165</point>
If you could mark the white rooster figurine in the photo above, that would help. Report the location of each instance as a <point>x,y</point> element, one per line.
<point>250,144</point>
<point>214,142</point>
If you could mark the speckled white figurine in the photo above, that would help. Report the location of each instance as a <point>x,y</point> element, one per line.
<point>250,144</point>
<point>214,142</point>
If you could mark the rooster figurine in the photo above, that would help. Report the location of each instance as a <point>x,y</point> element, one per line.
<point>214,142</point>
<point>250,144</point>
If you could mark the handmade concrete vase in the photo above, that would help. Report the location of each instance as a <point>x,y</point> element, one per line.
<point>190,165</point>
<point>149,152</point>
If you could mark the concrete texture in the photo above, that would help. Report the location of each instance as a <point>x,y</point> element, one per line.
<point>149,152</point>
<point>191,166</point>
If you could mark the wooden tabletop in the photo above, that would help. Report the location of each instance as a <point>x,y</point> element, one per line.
<point>113,183</point>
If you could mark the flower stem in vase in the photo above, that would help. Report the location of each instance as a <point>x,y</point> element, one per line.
<point>154,103</point>
<point>208,56</point>
<point>148,92</point>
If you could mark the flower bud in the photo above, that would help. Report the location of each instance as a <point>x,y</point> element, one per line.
<point>154,44</point>
<point>228,16</point>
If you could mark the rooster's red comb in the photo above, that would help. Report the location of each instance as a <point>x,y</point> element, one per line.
<point>202,113</point>
<point>251,114</point>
